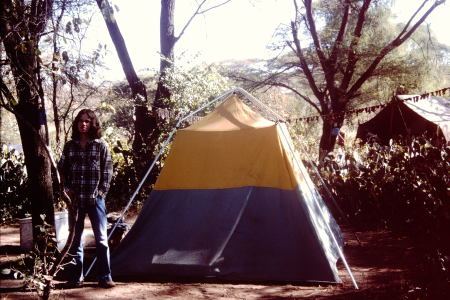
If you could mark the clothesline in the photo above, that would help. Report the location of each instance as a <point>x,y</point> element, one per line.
<point>367,109</point>
<point>166,114</point>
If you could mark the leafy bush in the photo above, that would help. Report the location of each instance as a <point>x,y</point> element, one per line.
<point>402,187</point>
<point>190,89</point>
<point>124,180</point>
<point>14,201</point>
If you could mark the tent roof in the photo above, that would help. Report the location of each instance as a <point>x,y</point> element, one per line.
<point>231,115</point>
<point>430,114</point>
<point>433,109</point>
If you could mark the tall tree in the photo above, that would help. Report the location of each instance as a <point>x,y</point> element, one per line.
<point>168,40</point>
<point>336,48</point>
<point>339,60</point>
<point>22,24</point>
<point>146,123</point>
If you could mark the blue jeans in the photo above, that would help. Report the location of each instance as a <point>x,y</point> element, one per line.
<point>97,216</point>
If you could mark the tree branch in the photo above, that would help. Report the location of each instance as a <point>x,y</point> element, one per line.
<point>340,36</point>
<point>213,7</point>
<point>329,76</point>
<point>412,17</point>
<point>351,54</point>
<point>270,82</point>
<point>196,13</point>
<point>402,36</point>
<point>304,65</point>
<point>306,98</point>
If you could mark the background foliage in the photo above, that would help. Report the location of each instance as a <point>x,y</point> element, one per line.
<point>191,87</point>
<point>402,187</point>
<point>14,201</point>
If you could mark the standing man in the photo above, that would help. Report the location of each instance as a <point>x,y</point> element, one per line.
<point>86,171</point>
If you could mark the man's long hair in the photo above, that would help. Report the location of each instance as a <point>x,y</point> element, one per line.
<point>95,131</point>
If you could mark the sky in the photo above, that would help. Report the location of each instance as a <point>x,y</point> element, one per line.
<point>241,29</point>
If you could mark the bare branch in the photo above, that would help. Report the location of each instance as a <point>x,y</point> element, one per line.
<point>412,17</point>
<point>351,54</point>
<point>306,98</point>
<point>304,66</point>
<point>270,82</point>
<point>340,36</point>
<point>403,36</point>
<point>315,36</point>
<point>215,6</point>
<point>197,12</point>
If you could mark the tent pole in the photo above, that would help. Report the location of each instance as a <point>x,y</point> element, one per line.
<point>330,194</point>
<point>166,142</point>
<point>277,117</point>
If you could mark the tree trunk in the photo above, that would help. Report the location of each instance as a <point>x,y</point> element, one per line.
<point>327,140</point>
<point>20,34</point>
<point>32,134</point>
<point>332,124</point>
<point>55,109</point>
<point>167,41</point>
<point>144,123</point>
<point>38,168</point>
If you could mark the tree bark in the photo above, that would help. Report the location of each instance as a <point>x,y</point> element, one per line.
<point>167,42</point>
<point>144,123</point>
<point>20,34</point>
<point>55,80</point>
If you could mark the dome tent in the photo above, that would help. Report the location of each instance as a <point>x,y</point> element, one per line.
<point>233,202</point>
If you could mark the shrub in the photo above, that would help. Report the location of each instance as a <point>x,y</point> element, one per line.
<point>14,201</point>
<point>401,187</point>
<point>190,89</point>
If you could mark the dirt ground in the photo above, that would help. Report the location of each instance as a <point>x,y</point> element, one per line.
<point>383,266</point>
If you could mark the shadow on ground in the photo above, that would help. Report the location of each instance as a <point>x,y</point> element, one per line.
<point>384,266</point>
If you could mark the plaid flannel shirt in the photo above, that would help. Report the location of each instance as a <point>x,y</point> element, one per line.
<point>86,172</point>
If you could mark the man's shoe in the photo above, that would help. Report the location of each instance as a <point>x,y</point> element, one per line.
<point>106,284</point>
<point>74,284</point>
